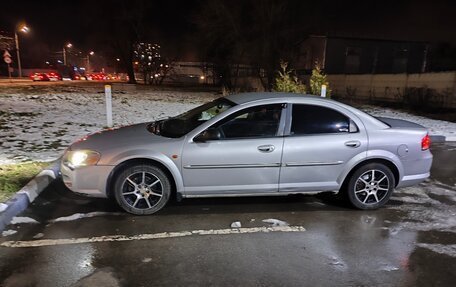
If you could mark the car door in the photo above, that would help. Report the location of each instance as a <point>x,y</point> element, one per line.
<point>320,142</point>
<point>244,156</point>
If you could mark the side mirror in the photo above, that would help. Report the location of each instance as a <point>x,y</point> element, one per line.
<point>208,135</point>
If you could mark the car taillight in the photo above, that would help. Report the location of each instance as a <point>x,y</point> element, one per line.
<point>426,142</point>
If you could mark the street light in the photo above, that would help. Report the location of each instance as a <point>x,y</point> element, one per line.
<point>24,29</point>
<point>68,45</point>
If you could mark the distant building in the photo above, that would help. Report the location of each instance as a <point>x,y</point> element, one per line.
<point>191,73</point>
<point>338,55</point>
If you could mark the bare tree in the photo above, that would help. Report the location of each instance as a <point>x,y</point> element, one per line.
<point>221,28</point>
<point>257,33</point>
<point>122,28</point>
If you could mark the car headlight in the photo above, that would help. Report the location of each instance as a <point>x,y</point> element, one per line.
<point>79,158</point>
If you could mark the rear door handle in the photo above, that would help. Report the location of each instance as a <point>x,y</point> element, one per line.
<point>266,148</point>
<point>353,143</point>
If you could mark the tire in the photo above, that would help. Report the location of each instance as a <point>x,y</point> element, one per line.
<point>142,189</point>
<point>367,192</point>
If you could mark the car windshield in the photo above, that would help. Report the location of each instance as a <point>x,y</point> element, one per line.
<point>182,124</point>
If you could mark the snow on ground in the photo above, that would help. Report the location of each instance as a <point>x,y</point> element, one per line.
<point>38,235</point>
<point>8,232</point>
<point>38,123</point>
<point>435,127</point>
<point>77,216</point>
<point>22,219</point>
<point>146,260</point>
<point>428,206</point>
<point>275,222</point>
<point>236,224</point>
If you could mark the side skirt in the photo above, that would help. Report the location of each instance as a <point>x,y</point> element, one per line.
<point>253,194</point>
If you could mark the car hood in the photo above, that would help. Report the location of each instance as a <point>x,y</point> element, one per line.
<point>132,136</point>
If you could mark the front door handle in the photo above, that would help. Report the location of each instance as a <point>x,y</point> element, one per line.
<point>353,143</point>
<point>266,148</point>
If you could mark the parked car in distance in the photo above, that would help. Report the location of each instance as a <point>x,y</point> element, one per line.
<point>96,77</point>
<point>79,77</point>
<point>39,77</point>
<point>254,144</point>
<point>48,76</point>
<point>112,77</point>
<point>53,76</point>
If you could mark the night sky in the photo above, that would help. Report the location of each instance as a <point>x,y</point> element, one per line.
<point>172,22</point>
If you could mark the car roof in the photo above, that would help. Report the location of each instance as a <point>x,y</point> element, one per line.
<point>244,98</point>
<point>250,97</point>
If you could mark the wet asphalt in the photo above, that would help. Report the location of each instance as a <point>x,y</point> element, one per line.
<point>410,242</point>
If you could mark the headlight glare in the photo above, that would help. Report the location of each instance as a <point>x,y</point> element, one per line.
<point>79,158</point>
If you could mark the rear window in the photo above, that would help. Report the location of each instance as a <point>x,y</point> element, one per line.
<point>310,119</point>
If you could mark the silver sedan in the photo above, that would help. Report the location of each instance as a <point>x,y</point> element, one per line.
<point>254,144</point>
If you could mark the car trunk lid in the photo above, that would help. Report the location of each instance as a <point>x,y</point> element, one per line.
<point>396,123</point>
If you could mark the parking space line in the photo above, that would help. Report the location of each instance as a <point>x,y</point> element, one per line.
<point>149,236</point>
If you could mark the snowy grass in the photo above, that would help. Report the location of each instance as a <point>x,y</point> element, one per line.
<point>14,176</point>
<point>38,124</point>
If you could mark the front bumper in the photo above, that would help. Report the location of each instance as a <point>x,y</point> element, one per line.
<point>87,180</point>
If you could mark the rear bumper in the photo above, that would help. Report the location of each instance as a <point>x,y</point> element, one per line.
<point>418,170</point>
<point>88,180</point>
<point>410,180</point>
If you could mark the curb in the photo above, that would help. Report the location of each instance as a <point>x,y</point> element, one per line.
<point>26,195</point>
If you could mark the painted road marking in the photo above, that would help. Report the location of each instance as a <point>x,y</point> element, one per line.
<point>150,236</point>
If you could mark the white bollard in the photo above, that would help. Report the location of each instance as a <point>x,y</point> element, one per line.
<point>108,95</point>
<point>323,91</point>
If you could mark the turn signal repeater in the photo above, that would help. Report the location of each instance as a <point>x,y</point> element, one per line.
<point>426,142</point>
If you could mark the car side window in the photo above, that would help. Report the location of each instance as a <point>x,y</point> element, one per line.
<point>255,122</point>
<point>311,119</point>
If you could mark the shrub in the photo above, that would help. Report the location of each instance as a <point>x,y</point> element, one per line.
<point>317,79</point>
<point>287,82</point>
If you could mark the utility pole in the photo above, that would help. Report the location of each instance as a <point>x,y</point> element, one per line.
<point>16,38</point>
<point>24,29</point>
<point>425,59</point>
<point>91,53</point>
<point>69,45</point>
<point>64,56</point>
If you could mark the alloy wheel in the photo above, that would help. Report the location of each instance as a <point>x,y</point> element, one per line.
<point>142,190</point>
<point>371,187</point>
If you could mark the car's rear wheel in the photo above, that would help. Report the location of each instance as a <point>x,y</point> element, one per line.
<point>370,186</point>
<point>142,189</point>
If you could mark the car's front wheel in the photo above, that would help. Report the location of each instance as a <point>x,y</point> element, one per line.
<point>142,189</point>
<point>370,186</point>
